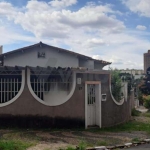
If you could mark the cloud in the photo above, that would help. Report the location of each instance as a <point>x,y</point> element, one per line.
<point>93,42</point>
<point>98,57</point>
<point>6,9</point>
<point>62,3</point>
<point>92,30</point>
<point>92,16</point>
<point>140,27</point>
<point>9,36</point>
<point>41,19</point>
<point>116,60</point>
<point>140,7</point>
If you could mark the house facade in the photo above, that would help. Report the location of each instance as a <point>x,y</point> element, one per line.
<point>48,86</point>
<point>44,55</point>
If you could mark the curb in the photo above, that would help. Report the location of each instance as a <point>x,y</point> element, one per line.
<point>126,145</point>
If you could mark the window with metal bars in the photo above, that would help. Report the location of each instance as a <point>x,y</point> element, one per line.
<point>9,86</point>
<point>43,83</point>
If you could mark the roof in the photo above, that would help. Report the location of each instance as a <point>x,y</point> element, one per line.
<point>15,70</point>
<point>57,48</point>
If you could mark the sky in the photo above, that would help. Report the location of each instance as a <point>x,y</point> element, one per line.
<point>117,31</point>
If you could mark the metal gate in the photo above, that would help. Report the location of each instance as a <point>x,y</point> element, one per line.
<point>91,110</point>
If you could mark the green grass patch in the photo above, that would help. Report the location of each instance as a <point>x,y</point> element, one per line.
<point>135,112</point>
<point>102,143</point>
<point>22,136</point>
<point>14,145</point>
<point>82,145</point>
<point>128,127</point>
<point>70,148</point>
<point>147,114</point>
<point>135,140</point>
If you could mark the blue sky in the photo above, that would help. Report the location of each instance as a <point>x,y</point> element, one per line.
<point>111,30</point>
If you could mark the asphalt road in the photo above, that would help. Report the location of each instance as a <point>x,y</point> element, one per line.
<point>141,147</point>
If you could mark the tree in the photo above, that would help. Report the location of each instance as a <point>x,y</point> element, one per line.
<point>143,86</point>
<point>129,78</point>
<point>116,84</point>
<point>147,101</point>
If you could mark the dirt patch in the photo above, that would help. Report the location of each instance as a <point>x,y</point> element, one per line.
<point>53,140</point>
<point>48,146</point>
<point>91,138</point>
<point>142,119</point>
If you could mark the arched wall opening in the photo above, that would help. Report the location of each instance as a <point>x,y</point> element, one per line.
<point>12,81</point>
<point>51,86</point>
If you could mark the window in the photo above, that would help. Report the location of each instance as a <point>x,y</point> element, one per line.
<point>41,54</point>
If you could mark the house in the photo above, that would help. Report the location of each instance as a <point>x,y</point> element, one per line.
<point>43,85</point>
<point>44,55</point>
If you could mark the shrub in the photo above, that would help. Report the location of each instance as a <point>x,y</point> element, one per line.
<point>116,84</point>
<point>135,112</point>
<point>140,97</point>
<point>147,101</point>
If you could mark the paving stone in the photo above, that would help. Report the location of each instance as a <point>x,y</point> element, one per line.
<point>147,140</point>
<point>101,148</point>
<point>128,144</point>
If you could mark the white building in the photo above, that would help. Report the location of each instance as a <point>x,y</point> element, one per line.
<point>135,72</point>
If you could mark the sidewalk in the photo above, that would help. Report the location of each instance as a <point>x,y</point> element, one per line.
<point>142,109</point>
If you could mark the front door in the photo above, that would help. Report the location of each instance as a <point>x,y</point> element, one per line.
<point>92,104</point>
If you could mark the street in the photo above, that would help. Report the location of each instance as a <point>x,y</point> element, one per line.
<point>141,147</point>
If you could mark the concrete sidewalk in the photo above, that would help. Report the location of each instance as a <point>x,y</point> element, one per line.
<point>142,109</point>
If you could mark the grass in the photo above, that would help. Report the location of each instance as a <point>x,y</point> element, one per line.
<point>21,136</point>
<point>135,112</point>
<point>102,143</point>
<point>22,139</point>
<point>14,145</point>
<point>82,145</point>
<point>135,140</point>
<point>147,114</point>
<point>128,127</point>
<point>68,148</point>
<point>17,140</point>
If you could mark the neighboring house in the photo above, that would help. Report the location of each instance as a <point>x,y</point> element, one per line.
<point>137,73</point>
<point>58,88</point>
